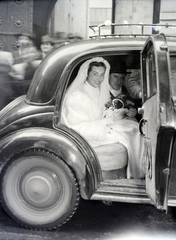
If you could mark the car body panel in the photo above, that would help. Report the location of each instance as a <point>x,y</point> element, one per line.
<point>172,185</point>
<point>18,114</point>
<point>158,116</point>
<point>56,143</point>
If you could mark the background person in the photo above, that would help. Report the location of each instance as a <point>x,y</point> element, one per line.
<point>24,69</point>
<point>74,37</point>
<point>47,45</point>
<point>27,46</point>
<point>61,39</point>
<point>7,92</point>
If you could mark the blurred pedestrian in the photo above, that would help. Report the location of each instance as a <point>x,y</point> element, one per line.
<point>61,39</point>
<point>26,45</point>
<point>74,37</point>
<point>47,45</point>
<point>23,73</point>
<point>7,93</point>
<point>24,69</point>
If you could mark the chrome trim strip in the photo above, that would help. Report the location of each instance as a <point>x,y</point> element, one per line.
<point>123,198</point>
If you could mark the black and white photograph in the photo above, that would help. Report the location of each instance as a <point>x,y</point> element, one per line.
<point>87,119</point>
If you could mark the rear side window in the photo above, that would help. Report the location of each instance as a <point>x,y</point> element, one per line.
<point>173,75</point>
<point>149,75</point>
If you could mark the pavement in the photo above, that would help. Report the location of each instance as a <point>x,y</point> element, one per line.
<point>96,221</point>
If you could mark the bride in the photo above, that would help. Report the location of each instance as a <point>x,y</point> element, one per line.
<point>84,107</point>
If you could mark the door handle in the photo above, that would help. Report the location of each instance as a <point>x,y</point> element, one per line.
<point>141,123</point>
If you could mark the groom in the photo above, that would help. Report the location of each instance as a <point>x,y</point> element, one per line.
<point>119,91</point>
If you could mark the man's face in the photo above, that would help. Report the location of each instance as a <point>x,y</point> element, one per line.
<point>116,80</point>
<point>96,76</point>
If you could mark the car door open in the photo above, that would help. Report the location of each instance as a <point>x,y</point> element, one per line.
<point>157,125</point>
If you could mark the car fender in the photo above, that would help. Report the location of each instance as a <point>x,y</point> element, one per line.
<point>56,143</point>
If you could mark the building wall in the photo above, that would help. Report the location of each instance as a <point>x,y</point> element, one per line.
<point>133,11</point>
<point>71,16</point>
<point>168,11</point>
<point>142,11</point>
<point>100,11</point>
<point>75,16</point>
<point>168,15</point>
<point>99,15</point>
<point>100,3</point>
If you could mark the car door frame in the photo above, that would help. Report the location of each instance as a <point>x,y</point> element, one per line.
<point>157,124</point>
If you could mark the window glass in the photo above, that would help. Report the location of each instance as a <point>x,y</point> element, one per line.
<point>173,75</point>
<point>151,75</point>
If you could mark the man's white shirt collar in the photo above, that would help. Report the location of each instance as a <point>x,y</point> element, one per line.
<point>114,92</point>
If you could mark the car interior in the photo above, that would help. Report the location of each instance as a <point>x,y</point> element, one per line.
<point>115,152</point>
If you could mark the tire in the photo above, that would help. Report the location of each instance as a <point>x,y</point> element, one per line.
<point>38,190</point>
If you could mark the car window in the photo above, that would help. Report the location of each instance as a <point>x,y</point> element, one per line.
<point>132,61</point>
<point>149,76</point>
<point>173,75</point>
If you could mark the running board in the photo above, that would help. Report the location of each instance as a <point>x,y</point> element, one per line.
<point>122,190</point>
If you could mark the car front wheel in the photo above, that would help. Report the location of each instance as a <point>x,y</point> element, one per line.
<point>38,190</point>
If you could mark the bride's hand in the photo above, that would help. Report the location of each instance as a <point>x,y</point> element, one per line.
<point>109,113</point>
<point>119,113</point>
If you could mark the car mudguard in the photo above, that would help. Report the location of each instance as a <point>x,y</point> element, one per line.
<point>58,144</point>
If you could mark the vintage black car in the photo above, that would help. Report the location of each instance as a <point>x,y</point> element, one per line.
<point>47,167</point>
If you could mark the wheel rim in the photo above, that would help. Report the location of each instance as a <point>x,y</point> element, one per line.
<point>37,190</point>
<point>40,188</point>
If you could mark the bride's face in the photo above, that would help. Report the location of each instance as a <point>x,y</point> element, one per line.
<point>96,76</point>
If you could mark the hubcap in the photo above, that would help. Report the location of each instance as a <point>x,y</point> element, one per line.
<point>40,188</point>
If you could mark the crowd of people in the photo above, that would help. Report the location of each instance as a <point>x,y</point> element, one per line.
<point>17,68</point>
